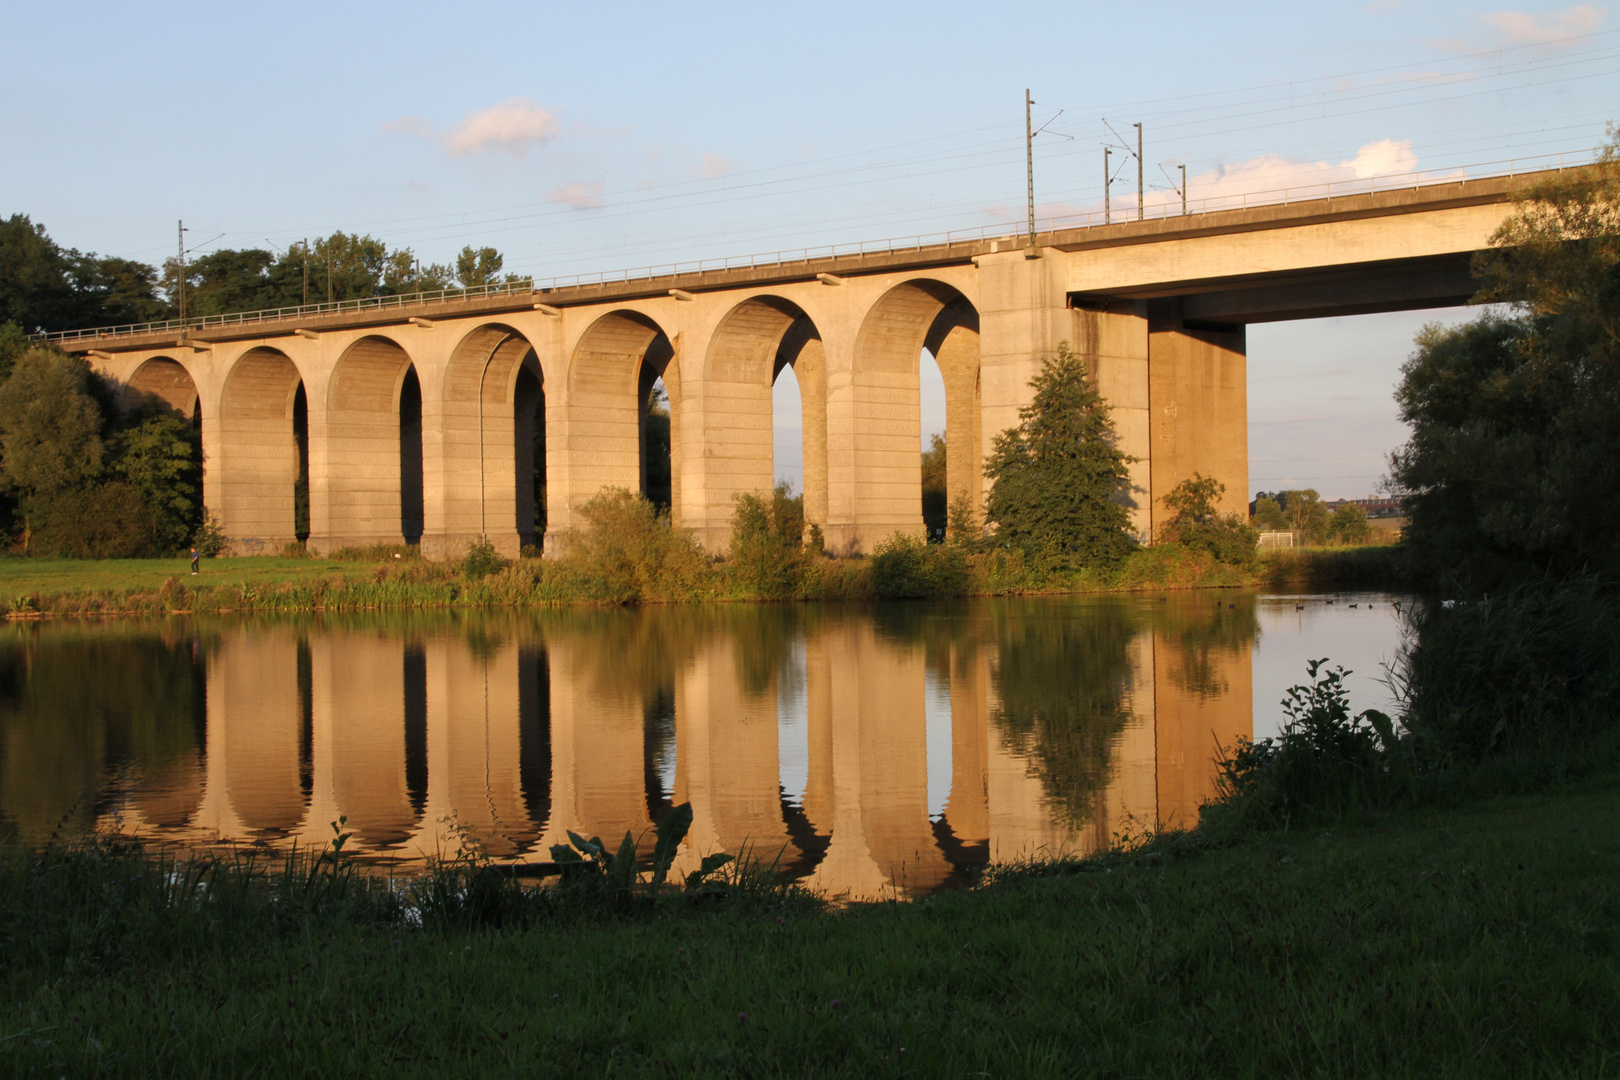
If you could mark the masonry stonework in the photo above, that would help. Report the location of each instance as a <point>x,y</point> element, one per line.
<point>428,421</point>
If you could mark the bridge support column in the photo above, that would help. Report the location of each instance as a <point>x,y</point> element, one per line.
<point>1198,391</point>
<point>251,456</point>
<point>1113,339</point>
<point>1024,314</point>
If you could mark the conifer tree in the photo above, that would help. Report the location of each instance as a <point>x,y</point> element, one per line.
<point>1058,479</point>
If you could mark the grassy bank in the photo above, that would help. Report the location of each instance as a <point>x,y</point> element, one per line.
<point>1369,566</point>
<point>31,587</point>
<point>1446,941</point>
<point>46,578</point>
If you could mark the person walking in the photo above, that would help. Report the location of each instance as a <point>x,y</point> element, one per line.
<point>194,558</point>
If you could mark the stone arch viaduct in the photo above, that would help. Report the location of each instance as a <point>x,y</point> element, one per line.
<point>415,419</point>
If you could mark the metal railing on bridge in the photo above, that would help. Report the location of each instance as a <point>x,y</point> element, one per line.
<point>1123,212</point>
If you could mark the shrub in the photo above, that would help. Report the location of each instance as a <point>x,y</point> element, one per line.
<point>908,567</point>
<point>626,552</point>
<point>767,547</point>
<point>209,539</point>
<point>481,559</point>
<point>1198,526</point>
<point>108,521</point>
<point>1325,761</point>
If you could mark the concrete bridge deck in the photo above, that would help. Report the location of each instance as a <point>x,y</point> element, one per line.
<point>429,420</point>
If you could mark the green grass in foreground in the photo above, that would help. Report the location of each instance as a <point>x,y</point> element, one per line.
<point>1472,942</point>
<point>19,577</point>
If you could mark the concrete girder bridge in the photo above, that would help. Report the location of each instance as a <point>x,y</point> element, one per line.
<point>415,419</point>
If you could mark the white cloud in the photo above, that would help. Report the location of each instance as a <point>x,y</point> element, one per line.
<point>578,195</point>
<point>1262,180</point>
<point>1386,157</point>
<point>1524,28</point>
<point>410,125</point>
<point>713,165</point>
<point>513,126</point>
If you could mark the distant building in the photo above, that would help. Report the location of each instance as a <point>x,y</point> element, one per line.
<point>1376,508</point>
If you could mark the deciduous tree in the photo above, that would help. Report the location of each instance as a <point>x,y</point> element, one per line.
<point>1511,464</point>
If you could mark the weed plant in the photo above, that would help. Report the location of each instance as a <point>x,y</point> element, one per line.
<point>1325,762</point>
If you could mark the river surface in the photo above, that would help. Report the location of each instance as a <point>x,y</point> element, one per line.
<point>872,750</point>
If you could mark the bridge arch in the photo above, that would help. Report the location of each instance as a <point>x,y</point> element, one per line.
<point>487,433</point>
<point>880,457</point>
<point>753,342</point>
<point>366,457</point>
<point>261,457</point>
<point>612,439</point>
<point>164,379</point>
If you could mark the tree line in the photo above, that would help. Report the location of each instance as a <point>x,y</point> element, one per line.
<point>44,286</point>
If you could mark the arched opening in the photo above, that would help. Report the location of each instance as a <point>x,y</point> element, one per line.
<point>935,469</point>
<point>624,396</point>
<point>260,460</point>
<point>529,452</point>
<point>880,456</point>
<point>410,457</point>
<point>490,428</point>
<point>161,392</point>
<point>787,430</point>
<point>774,424</point>
<point>163,380</point>
<point>301,486</point>
<point>953,342</point>
<point>362,488</point>
<point>657,478</point>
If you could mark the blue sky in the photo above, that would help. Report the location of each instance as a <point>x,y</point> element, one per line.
<point>582,138</point>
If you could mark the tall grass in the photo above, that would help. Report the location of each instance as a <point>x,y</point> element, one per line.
<point>1529,676</point>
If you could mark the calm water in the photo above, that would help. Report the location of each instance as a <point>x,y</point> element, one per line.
<point>877,749</point>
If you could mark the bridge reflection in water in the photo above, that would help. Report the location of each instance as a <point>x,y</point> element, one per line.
<point>870,750</point>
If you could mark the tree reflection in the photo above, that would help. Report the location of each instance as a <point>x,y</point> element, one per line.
<point>79,703</point>
<point>1063,678</point>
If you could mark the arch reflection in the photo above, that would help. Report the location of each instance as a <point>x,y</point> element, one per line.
<point>868,752</point>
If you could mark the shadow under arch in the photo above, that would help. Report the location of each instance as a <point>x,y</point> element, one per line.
<point>260,459</point>
<point>485,434</point>
<point>878,467</point>
<point>165,380</point>
<point>610,380</point>
<point>753,343</point>
<point>366,459</point>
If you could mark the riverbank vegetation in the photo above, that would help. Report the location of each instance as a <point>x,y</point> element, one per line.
<point>1445,941</point>
<point>1054,522</point>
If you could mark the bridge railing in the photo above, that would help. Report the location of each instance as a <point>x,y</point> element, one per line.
<point>1123,211</point>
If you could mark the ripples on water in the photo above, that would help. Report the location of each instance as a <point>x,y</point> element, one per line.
<point>872,750</point>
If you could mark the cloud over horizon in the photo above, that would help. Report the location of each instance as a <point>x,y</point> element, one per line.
<point>513,126</point>
<point>577,195</point>
<point>1522,28</point>
<point>1551,30</point>
<point>1225,186</point>
<point>713,165</point>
